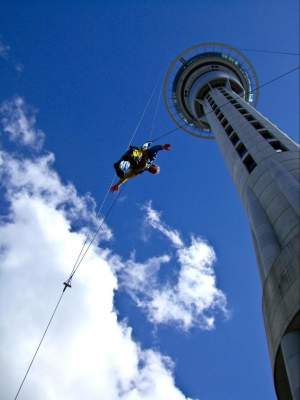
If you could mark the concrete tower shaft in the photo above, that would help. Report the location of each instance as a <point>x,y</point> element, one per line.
<point>265,166</point>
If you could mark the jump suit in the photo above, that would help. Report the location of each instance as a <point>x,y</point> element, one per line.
<point>136,159</point>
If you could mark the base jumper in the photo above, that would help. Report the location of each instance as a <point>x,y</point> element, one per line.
<point>137,160</point>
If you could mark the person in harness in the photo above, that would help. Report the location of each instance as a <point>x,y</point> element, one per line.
<point>137,160</point>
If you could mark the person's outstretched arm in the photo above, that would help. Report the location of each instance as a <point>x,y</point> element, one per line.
<point>152,152</point>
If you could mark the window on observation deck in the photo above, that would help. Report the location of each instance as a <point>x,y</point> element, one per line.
<point>250,118</point>
<point>278,146</point>
<point>241,149</point>
<point>249,163</point>
<point>234,138</point>
<point>224,122</point>
<point>229,130</point>
<point>257,125</point>
<point>266,134</point>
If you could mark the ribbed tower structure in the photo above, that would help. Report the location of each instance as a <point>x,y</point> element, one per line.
<point>211,92</point>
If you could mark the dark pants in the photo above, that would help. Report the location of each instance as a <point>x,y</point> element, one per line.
<point>118,170</point>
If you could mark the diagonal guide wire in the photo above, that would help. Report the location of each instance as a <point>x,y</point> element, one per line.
<point>95,235</point>
<point>284,53</point>
<point>143,114</point>
<point>79,257</point>
<point>227,102</point>
<point>77,262</point>
<point>155,113</point>
<point>62,294</point>
<point>75,267</point>
<point>113,178</point>
<point>259,87</point>
<point>97,215</point>
<point>39,345</point>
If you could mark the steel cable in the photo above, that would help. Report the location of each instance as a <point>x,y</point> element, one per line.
<point>79,259</point>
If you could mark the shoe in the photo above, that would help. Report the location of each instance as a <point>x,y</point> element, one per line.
<point>114,188</point>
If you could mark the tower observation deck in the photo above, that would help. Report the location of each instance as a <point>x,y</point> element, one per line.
<point>211,92</point>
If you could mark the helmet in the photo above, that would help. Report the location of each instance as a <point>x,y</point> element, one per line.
<point>154,169</point>
<point>146,145</point>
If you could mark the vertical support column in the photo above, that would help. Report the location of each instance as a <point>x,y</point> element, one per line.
<point>270,193</point>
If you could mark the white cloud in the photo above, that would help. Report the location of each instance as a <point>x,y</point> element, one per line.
<point>19,67</point>
<point>5,54</point>
<point>18,121</point>
<point>4,50</point>
<point>87,353</point>
<point>37,178</point>
<point>153,219</point>
<point>194,299</point>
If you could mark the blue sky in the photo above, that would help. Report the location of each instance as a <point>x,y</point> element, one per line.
<point>87,69</point>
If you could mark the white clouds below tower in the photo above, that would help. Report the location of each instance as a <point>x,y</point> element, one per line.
<point>193,299</point>
<point>87,352</point>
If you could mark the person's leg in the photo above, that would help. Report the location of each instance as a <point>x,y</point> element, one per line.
<point>118,170</point>
<point>130,174</point>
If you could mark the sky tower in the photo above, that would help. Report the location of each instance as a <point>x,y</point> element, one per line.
<point>211,92</point>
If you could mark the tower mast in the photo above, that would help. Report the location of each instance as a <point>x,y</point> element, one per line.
<point>211,92</point>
